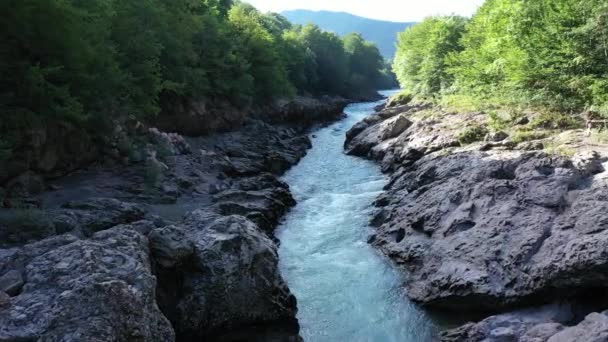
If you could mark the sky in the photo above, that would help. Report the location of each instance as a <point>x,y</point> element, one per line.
<point>393,10</point>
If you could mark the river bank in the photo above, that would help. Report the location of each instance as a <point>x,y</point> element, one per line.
<point>178,246</point>
<point>500,226</point>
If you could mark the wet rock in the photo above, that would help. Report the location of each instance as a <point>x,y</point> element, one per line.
<point>99,289</point>
<point>11,282</point>
<point>219,295</point>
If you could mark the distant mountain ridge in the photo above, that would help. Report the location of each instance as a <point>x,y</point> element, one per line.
<point>383,33</point>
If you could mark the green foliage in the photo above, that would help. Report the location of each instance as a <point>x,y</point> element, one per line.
<point>550,55</point>
<point>423,51</point>
<point>400,99</point>
<point>472,134</point>
<point>553,120</point>
<point>88,63</point>
<point>522,135</point>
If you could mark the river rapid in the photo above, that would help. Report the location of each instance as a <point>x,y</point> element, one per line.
<point>346,290</point>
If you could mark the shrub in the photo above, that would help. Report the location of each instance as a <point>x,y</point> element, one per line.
<point>400,99</point>
<point>527,135</point>
<point>552,120</point>
<point>472,134</point>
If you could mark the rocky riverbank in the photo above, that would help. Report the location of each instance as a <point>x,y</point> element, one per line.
<point>493,226</point>
<point>172,241</point>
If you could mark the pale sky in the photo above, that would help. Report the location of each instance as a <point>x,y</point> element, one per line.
<point>394,10</point>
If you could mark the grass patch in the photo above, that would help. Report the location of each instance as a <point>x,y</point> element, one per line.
<point>556,149</point>
<point>527,135</point>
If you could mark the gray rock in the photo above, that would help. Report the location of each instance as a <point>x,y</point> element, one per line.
<point>496,136</point>
<point>395,126</point>
<point>99,289</point>
<point>545,324</point>
<point>236,281</point>
<point>521,325</point>
<point>170,246</point>
<point>11,282</point>
<point>486,230</point>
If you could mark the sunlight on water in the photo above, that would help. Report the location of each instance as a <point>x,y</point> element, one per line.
<point>346,290</point>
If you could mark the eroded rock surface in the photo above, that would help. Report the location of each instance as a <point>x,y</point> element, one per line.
<point>98,289</point>
<point>545,324</point>
<point>176,243</point>
<point>485,228</point>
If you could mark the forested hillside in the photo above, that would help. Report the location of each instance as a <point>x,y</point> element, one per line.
<point>85,63</point>
<point>383,33</point>
<point>550,55</point>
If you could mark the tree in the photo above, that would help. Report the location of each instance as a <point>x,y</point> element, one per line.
<point>422,52</point>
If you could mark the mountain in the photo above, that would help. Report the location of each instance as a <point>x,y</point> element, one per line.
<point>383,33</point>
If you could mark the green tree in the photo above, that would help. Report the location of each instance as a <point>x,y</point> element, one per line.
<point>422,53</point>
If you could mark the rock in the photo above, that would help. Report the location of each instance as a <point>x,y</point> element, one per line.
<point>588,162</point>
<point>545,324</point>
<point>100,289</point>
<point>5,299</point>
<point>519,325</point>
<point>169,143</point>
<point>257,296</point>
<point>19,226</point>
<point>11,282</point>
<point>522,121</point>
<point>28,183</point>
<point>485,231</point>
<point>96,214</point>
<point>264,207</point>
<point>593,328</point>
<point>170,246</point>
<point>395,126</point>
<point>303,110</point>
<point>496,136</point>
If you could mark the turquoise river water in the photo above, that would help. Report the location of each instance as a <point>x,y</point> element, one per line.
<point>346,290</point>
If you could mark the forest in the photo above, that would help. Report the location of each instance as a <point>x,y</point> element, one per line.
<point>549,55</point>
<point>86,62</point>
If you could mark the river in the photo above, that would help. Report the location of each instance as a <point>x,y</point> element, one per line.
<point>346,290</point>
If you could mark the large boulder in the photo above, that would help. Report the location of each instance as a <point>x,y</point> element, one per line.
<point>99,289</point>
<point>234,283</point>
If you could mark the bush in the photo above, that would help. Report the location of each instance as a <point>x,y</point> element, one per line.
<point>472,134</point>
<point>552,120</point>
<point>400,99</point>
<point>527,135</point>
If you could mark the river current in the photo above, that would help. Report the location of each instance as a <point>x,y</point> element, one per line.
<point>346,290</point>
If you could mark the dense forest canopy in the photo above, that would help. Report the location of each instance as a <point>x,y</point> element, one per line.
<point>550,54</point>
<point>85,62</point>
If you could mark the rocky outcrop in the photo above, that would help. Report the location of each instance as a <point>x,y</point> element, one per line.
<point>176,244</point>
<point>195,118</point>
<point>232,281</point>
<point>485,228</point>
<point>98,289</point>
<point>303,110</point>
<point>545,324</point>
